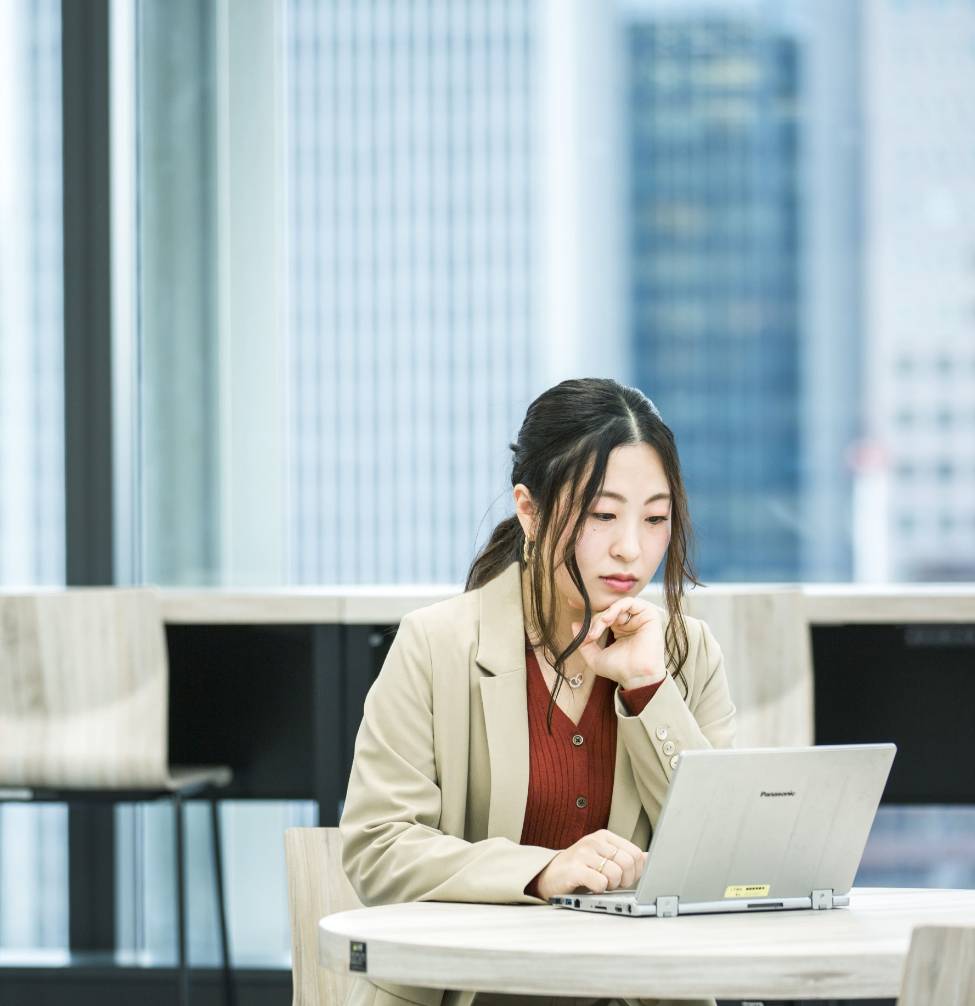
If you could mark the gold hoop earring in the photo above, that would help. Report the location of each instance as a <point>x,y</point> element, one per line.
<point>528,551</point>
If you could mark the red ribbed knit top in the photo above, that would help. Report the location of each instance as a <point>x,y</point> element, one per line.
<point>570,782</point>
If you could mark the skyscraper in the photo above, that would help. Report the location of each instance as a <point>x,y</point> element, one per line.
<point>31,377</point>
<point>920,270</point>
<point>412,268</point>
<point>453,252</point>
<point>714,273</point>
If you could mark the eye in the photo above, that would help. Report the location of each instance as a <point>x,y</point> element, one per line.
<point>654,521</point>
<point>604,516</point>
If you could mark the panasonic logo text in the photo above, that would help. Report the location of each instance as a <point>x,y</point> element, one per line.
<point>790,792</point>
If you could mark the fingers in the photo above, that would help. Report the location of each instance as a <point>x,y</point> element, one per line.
<point>624,859</point>
<point>627,866</point>
<point>589,650</point>
<point>605,837</point>
<point>599,862</point>
<point>595,881</point>
<point>610,870</point>
<point>619,866</point>
<point>615,617</point>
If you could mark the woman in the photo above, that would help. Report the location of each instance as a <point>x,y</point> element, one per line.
<point>519,741</point>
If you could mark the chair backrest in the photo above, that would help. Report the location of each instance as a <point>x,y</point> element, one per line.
<point>317,886</point>
<point>84,689</point>
<point>764,636</point>
<point>940,969</point>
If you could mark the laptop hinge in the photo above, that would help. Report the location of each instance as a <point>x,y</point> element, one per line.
<point>667,907</point>
<point>822,899</point>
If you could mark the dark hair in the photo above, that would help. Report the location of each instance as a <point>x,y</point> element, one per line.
<point>561,455</point>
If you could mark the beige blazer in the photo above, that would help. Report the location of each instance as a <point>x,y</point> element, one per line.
<point>439,783</point>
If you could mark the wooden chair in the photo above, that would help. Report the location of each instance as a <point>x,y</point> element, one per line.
<point>764,636</point>
<point>940,968</point>
<point>317,886</point>
<point>84,715</point>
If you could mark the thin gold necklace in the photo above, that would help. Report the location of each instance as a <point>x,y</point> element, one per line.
<point>573,682</point>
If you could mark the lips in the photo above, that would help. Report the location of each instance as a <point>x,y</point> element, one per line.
<point>619,583</point>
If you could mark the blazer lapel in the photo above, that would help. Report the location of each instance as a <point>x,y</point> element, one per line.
<point>504,696</point>
<point>505,701</point>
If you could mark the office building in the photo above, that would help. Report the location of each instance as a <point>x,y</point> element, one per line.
<point>453,253</point>
<point>411,280</point>
<point>920,282</point>
<point>715,269</point>
<point>31,389</point>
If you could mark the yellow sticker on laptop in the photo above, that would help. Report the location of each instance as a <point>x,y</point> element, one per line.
<point>747,891</point>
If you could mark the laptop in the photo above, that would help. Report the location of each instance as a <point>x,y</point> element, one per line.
<point>756,830</point>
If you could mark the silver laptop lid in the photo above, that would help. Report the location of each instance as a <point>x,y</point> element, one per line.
<point>776,822</point>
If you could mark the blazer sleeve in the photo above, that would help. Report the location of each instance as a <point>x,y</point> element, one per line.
<point>393,849</point>
<point>706,719</point>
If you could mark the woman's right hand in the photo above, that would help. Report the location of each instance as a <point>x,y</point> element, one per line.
<point>578,866</point>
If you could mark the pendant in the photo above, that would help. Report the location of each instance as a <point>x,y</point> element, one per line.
<point>575,682</point>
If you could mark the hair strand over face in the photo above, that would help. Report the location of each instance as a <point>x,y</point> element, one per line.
<point>561,456</point>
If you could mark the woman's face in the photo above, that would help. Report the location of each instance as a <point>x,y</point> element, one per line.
<point>626,532</point>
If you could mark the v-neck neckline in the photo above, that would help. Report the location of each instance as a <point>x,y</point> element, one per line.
<point>560,718</point>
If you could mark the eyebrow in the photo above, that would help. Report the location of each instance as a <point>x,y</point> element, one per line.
<point>622,499</point>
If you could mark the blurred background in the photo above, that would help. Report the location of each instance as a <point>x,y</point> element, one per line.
<point>351,240</point>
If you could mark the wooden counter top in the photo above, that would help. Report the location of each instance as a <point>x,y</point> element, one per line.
<point>826,604</point>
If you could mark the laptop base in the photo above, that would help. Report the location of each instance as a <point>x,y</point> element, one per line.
<point>625,903</point>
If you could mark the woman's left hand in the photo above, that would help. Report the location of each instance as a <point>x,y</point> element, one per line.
<point>636,656</point>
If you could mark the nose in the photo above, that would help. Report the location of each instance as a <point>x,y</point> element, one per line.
<point>626,544</point>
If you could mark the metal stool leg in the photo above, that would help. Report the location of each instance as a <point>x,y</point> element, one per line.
<point>183,987</point>
<point>229,989</point>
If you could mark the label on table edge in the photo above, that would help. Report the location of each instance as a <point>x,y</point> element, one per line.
<point>746,891</point>
<point>357,956</point>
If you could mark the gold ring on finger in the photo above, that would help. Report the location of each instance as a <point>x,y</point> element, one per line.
<point>599,869</point>
<point>615,850</point>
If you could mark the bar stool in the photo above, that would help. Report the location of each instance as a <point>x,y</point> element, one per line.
<point>84,715</point>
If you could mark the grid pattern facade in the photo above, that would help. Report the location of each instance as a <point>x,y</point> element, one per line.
<point>31,304</point>
<point>714,260</point>
<point>410,175</point>
<point>920,191</point>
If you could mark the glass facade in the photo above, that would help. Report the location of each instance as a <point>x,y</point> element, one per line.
<point>33,840</point>
<point>920,846</point>
<point>254,881</point>
<point>715,270</point>
<point>919,332</point>
<point>31,374</point>
<point>411,216</point>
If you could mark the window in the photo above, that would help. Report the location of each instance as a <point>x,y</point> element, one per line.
<point>33,839</point>
<point>31,376</point>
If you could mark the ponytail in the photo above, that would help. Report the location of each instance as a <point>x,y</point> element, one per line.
<point>504,548</point>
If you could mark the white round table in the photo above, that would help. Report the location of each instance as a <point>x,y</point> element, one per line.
<point>856,952</point>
